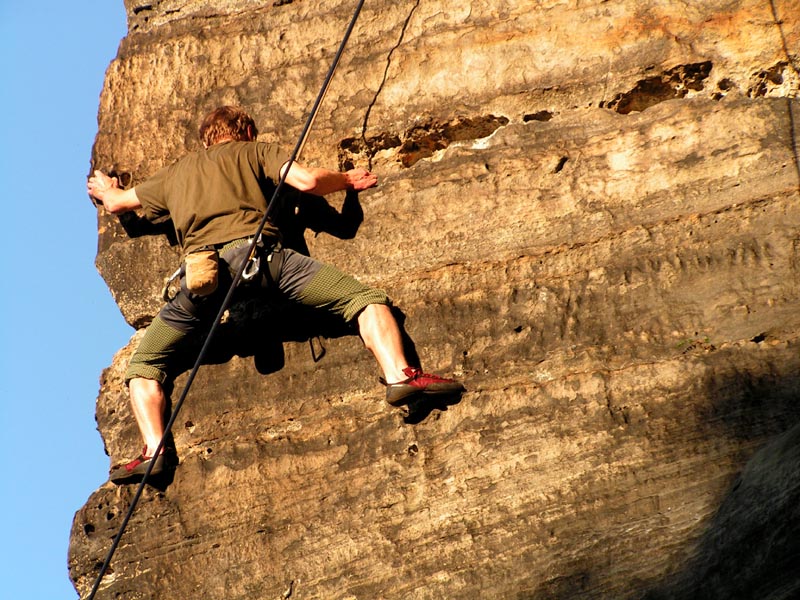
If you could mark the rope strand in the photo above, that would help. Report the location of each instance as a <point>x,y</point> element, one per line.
<point>228,297</point>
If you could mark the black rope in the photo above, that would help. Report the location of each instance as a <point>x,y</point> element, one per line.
<point>228,297</point>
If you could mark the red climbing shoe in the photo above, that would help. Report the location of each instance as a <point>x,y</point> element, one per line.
<point>136,469</point>
<point>419,383</point>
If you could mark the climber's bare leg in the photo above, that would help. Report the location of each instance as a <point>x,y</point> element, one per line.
<point>148,402</point>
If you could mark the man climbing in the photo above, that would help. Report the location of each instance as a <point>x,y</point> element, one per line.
<point>216,198</point>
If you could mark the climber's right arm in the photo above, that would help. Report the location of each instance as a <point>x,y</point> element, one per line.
<point>320,181</point>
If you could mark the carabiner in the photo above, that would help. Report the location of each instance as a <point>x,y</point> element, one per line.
<point>251,268</point>
<point>168,282</point>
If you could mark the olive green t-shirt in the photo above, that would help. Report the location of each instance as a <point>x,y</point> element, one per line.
<point>214,195</point>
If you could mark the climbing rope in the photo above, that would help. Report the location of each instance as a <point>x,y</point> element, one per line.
<point>228,297</point>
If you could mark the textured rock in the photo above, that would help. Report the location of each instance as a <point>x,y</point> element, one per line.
<point>587,212</point>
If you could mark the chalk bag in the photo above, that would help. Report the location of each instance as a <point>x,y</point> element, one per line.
<point>202,271</point>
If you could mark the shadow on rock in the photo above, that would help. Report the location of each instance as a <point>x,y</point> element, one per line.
<point>259,328</point>
<point>164,479</point>
<point>136,226</point>
<point>752,547</point>
<point>421,408</point>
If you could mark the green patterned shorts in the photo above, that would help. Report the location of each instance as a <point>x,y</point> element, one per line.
<point>301,279</point>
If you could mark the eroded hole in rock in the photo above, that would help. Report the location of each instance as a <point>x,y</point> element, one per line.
<point>353,149</point>
<point>767,80</point>
<point>123,177</point>
<point>647,93</point>
<point>674,83</point>
<point>424,140</point>
<point>562,161</point>
<point>88,529</point>
<point>99,565</point>
<point>421,141</point>
<point>542,115</point>
<point>724,86</point>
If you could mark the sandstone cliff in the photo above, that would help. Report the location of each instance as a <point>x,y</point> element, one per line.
<point>587,212</point>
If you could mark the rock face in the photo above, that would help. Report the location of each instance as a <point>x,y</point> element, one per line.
<point>587,212</point>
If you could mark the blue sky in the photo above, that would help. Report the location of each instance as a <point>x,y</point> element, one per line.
<point>60,325</point>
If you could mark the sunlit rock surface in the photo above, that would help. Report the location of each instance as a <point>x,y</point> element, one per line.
<point>588,212</point>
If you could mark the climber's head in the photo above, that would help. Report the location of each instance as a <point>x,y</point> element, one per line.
<point>227,123</point>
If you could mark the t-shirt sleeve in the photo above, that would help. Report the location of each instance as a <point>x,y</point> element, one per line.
<point>272,158</point>
<point>152,196</point>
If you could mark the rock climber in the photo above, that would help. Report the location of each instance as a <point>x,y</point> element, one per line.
<point>216,198</point>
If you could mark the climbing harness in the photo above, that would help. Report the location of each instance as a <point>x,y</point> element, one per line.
<point>240,274</point>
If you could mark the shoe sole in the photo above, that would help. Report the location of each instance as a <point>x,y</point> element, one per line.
<point>412,395</point>
<point>404,399</point>
<point>137,473</point>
